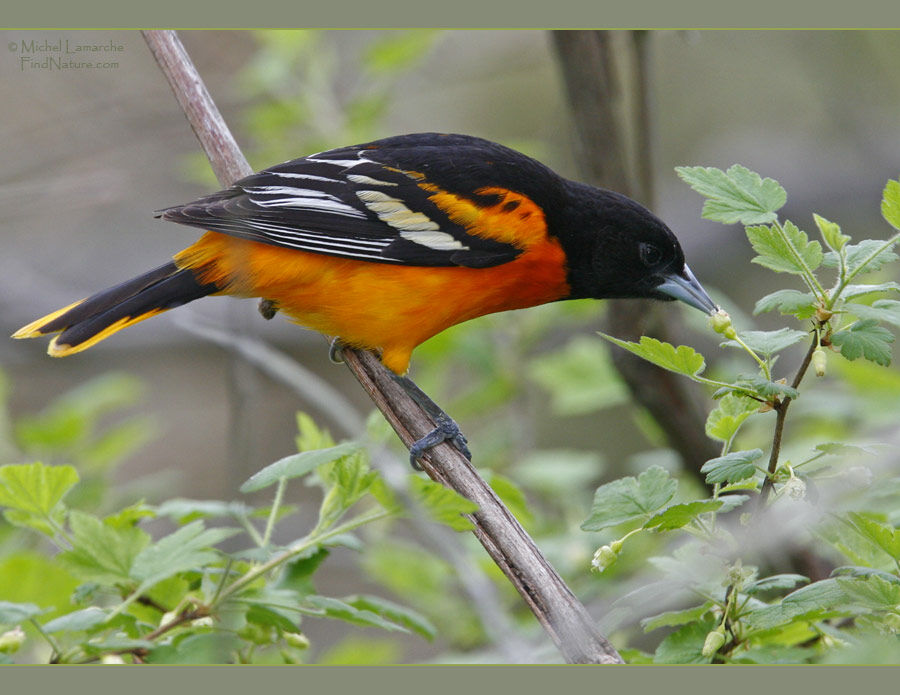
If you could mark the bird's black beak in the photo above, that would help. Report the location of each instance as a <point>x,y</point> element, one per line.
<point>684,286</point>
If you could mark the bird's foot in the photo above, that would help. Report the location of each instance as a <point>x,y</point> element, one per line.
<point>336,351</point>
<point>446,430</point>
<point>268,308</point>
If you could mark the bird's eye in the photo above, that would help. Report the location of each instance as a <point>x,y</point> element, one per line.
<point>650,254</point>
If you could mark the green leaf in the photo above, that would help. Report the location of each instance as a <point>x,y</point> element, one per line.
<point>630,498</point>
<point>204,648</point>
<point>394,612</point>
<point>831,233</point>
<point>14,613</point>
<point>675,618</point>
<point>890,203</point>
<point>444,505</point>
<point>872,592</point>
<point>102,552</point>
<point>188,548</point>
<point>800,304</point>
<point>766,389</point>
<point>679,515</point>
<point>685,645</point>
<point>738,195</point>
<point>723,422</point>
<point>790,252</point>
<point>738,465</point>
<point>349,478</point>
<point>775,581</point>
<point>865,338</point>
<point>865,257</point>
<point>184,510</point>
<point>882,310</point>
<point>580,377</point>
<point>854,291</point>
<point>511,495</point>
<point>35,488</point>
<point>83,619</point>
<point>883,535</point>
<point>683,359</point>
<point>817,600</point>
<point>769,342</point>
<point>297,465</point>
<point>335,608</point>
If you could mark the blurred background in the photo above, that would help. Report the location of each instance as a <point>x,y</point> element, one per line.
<point>88,155</point>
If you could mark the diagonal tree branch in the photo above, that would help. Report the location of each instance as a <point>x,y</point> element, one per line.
<point>561,614</point>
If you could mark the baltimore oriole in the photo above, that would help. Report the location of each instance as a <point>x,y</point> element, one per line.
<point>388,243</point>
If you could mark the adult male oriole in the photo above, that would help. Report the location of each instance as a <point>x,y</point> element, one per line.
<point>388,243</point>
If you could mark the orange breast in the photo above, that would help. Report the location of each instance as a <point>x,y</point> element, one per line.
<point>376,305</point>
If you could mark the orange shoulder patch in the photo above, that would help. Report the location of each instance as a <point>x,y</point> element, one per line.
<point>514,219</point>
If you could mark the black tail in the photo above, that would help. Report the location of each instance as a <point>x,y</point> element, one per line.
<point>85,323</point>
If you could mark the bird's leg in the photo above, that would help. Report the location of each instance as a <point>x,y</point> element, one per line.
<point>445,430</point>
<point>268,308</point>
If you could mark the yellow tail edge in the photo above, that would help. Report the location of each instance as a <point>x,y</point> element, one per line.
<point>33,329</point>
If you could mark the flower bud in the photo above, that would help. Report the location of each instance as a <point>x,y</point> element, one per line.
<point>606,556</point>
<point>795,488</point>
<point>818,361</point>
<point>11,641</point>
<point>113,659</point>
<point>721,323</point>
<point>713,642</point>
<point>297,640</point>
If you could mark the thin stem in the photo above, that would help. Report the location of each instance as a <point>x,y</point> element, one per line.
<point>781,410</point>
<point>56,650</point>
<point>273,512</point>
<point>763,365</point>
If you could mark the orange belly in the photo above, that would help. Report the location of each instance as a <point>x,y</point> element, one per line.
<point>383,306</point>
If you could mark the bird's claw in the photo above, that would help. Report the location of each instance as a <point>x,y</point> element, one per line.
<point>446,430</point>
<point>336,351</point>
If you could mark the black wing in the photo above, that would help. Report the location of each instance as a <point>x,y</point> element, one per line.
<point>368,202</point>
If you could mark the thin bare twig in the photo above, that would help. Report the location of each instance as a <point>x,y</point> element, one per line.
<point>553,604</point>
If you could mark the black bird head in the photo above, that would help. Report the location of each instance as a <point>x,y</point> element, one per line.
<point>619,249</point>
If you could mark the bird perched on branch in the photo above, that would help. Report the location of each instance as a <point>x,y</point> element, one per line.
<point>388,243</point>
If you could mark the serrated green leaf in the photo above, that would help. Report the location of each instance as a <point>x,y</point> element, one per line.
<point>203,648</point>
<point>188,548</point>
<point>683,359</point>
<point>723,422</point>
<point>790,252</point>
<point>769,342</point>
<point>766,389</point>
<point>685,645</point>
<point>865,338</point>
<point>444,505</point>
<point>102,552</point>
<point>679,515</point>
<point>732,502</point>
<point>881,534</point>
<point>773,654</point>
<point>630,498</point>
<point>13,613</point>
<point>872,592</point>
<point>831,233</point>
<point>732,467</point>
<point>882,310</point>
<point>738,195</point>
<point>867,256</point>
<point>83,619</point>
<point>807,603</point>
<point>297,465</point>
<point>890,203</point>
<point>675,618</point>
<point>35,488</point>
<point>394,612</point>
<point>800,304</point>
